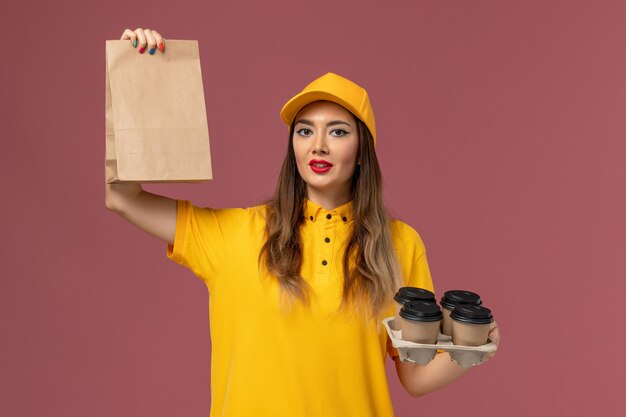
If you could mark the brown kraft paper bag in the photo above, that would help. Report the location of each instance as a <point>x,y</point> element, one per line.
<point>156,127</point>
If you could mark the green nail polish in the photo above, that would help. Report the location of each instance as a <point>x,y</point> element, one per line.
<point>135,43</point>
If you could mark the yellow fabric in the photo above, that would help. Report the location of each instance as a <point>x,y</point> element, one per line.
<point>308,362</point>
<point>335,88</point>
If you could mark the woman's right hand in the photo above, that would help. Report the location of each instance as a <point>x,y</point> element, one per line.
<point>143,38</point>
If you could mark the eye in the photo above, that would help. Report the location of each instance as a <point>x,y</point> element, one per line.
<point>339,132</point>
<point>304,132</point>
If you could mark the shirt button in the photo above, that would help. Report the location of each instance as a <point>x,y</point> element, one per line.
<point>327,240</point>
<point>324,263</point>
<point>328,216</point>
<point>344,218</point>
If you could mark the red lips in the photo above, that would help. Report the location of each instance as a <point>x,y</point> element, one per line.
<point>319,166</point>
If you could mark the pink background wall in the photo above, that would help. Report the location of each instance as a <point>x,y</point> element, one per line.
<point>501,138</point>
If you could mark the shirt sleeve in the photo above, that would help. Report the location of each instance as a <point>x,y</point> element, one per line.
<point>420,274</point>
<point>203,235</point>
<point>411,254</point>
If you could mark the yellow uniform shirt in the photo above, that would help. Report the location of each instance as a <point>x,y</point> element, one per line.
<point>309,362</point>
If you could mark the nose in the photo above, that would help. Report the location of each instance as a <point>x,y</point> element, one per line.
<point>320,145</point>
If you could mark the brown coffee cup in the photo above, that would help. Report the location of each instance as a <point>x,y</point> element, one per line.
<point>470,325</point>
<point>449,300</point>
<point>406,295</point>
<point>420,322</point>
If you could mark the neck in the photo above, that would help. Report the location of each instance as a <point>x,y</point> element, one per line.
<point>329,199</point>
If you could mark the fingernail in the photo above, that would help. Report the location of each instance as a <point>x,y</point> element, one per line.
<point>141,51</point>
<point>151,51</point>
<point>161,46</point>
<point>135,43</point>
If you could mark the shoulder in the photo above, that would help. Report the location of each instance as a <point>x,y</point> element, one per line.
<point>253,211</point>
<point>236,216</point>
<point>411,255</point>
<point>405,237</point>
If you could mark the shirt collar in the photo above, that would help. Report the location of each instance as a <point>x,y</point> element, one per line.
<point>313,212</point>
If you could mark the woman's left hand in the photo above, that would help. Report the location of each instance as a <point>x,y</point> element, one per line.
<point>494,336</point>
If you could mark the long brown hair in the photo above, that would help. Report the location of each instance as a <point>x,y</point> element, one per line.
<point>370,266</point>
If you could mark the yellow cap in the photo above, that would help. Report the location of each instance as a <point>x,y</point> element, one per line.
<point>335,88</point>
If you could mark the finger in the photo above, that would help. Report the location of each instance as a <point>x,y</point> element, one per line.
<point>151,41</point>
<point>159,40</point>
<point>142,40</point>
<point>496,330</point>
<point>494,335</point>
<point>129,34</point>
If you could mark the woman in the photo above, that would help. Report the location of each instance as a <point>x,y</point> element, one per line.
<point>298,286</point>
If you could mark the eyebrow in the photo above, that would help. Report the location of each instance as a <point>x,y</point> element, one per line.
<point>332,123</point>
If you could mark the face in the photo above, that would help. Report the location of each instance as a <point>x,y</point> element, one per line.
<point>325,143</point>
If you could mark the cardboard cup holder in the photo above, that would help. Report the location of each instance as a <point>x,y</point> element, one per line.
<point>465,356</point>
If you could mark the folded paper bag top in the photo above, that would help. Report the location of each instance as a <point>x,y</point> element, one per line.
<point>156,125</point>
